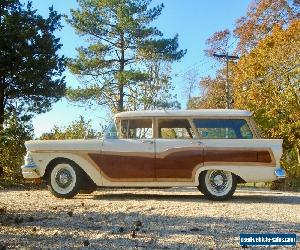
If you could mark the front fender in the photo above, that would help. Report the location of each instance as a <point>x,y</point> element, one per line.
<point>44,160</point>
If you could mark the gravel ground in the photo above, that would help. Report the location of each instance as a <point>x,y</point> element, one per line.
<point>174,218</point>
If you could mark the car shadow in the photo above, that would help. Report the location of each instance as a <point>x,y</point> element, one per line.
<point>238,198</point>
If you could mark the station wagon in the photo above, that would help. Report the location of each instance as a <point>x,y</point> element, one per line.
<point>209,149</point>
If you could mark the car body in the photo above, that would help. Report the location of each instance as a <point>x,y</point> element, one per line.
<point>212,149</point>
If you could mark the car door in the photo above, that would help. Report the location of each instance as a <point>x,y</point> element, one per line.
<point>223,141</point>
<point>130,157</point>
<point>178,153</point>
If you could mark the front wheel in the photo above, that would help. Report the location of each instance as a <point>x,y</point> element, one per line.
<point>217,184</point>
<point>64,180</point>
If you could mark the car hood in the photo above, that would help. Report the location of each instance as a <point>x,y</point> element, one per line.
<point>64,145</point>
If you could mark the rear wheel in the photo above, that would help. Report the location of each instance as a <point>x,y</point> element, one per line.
<point>65,180</point>
<point>217,184</point>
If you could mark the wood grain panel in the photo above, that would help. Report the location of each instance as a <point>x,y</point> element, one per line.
<point>178,164</point>
<point>228,155</point>
<point>120,166</point>
<point>264,156</point>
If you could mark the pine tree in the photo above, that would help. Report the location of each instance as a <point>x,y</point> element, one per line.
<point>120,38</point>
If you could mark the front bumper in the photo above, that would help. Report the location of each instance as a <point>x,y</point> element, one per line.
<point>29,171</point>
<point>280,173</point>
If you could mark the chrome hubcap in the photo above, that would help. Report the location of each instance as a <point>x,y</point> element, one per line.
<point>63,178</point>
<point>218,181</point>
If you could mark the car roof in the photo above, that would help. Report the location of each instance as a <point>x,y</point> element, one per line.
<point>185,113</point>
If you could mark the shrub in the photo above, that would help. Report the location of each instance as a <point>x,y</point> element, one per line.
<point>12,150</point>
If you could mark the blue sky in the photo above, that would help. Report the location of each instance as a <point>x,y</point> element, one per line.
<point>193,20</point>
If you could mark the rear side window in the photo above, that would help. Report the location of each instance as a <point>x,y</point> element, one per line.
<point>175,129</point>
<point>223,129</point>
<point>136,129</point>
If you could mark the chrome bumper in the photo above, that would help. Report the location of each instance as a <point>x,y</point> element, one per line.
<point>30,171</point>
<point>280,173</point>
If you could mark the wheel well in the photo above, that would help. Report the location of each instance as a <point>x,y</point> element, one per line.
<point>88,181</point>
<point>238,178</point>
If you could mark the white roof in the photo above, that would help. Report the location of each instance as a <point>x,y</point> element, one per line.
<point>184,113</point>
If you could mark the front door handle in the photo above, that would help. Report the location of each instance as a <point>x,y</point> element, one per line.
<point>147,141</point>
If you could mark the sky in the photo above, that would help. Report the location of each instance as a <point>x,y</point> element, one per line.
<point>193,20</point>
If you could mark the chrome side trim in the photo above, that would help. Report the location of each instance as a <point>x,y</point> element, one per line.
<point>280,173</point>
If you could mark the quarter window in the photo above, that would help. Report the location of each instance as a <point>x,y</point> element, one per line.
<point>223,129</point>
<point>175,129</point>
<point>136,129</point>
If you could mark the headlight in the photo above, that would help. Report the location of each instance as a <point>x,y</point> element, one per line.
<point>28,160</point>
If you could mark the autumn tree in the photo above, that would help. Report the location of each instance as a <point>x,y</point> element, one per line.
<point>30,67</point>
<point>212,93</point>
<point>120,38</point>
<point>213,89</point>
<point>218,42</point>
<point>267,81</point>
<point>260,19</point>
<point>262,16</point>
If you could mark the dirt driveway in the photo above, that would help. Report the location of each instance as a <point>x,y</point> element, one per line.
<point>176,218</point>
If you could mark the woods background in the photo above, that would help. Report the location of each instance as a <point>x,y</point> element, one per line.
<point>127,65</point>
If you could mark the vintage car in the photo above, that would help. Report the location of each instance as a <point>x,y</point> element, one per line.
<point>209,149</point>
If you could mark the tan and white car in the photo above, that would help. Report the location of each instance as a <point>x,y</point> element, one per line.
<point>209,149</point>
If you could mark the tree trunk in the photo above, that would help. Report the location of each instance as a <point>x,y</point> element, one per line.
<point>298,153</point>
<point>2,106</point>
<point>121,99</point>
<point>121,70</point>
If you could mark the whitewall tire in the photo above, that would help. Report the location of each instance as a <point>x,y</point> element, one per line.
<point>64,180</point>
<point>217,184</point>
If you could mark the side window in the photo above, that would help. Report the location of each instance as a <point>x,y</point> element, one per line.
<point>123,129</point>
<point>246,132</point>
<point>175,129</point>
<point>136,129</point>
<point>223,129</point>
